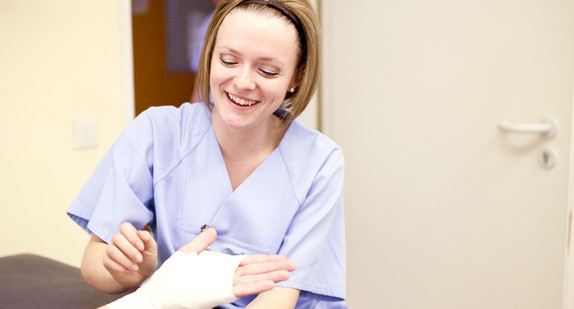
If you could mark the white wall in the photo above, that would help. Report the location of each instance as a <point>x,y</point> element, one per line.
<point>59,60</point>
<point>310,116</point>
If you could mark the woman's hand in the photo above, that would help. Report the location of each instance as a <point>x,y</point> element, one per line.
<point>131,257</point>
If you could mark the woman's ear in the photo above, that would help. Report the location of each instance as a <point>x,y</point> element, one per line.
<point>297,77</point>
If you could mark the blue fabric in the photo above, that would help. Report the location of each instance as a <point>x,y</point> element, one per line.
<point>167,171</point>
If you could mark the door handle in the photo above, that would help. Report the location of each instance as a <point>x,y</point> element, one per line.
<point>546,127</point>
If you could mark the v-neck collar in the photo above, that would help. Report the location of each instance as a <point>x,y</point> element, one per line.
<point>219,161</point>
<point>210,200</point>
<point>236,214</point>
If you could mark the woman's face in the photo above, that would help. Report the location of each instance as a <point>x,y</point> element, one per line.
<point>252,68</point>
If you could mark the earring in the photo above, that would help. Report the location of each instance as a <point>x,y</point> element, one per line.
<point>292,90</point>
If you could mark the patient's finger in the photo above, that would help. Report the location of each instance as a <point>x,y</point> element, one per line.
<point>201,242</point>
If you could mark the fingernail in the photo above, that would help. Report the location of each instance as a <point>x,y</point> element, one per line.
<point>140,246</point>
<point>134,267</point>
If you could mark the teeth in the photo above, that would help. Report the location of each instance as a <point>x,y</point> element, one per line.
<point>240,101</point>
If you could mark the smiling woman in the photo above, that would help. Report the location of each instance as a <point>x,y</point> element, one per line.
<point>249,84</point>
<point>296,15</point>
<point>242,164</point>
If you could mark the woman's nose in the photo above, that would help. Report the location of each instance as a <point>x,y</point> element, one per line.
<point>244,79</point>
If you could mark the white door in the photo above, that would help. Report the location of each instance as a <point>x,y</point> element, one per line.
<point>443,209</point>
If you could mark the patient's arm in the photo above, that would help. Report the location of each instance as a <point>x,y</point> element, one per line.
<point>205,281</point>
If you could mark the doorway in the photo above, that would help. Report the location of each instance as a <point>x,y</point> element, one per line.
<point>162,34</point>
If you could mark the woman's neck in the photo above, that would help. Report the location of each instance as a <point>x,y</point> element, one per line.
<point>243,150</point>
<point>240,144</point>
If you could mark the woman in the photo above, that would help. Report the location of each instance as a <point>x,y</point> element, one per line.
<point>240,164</point>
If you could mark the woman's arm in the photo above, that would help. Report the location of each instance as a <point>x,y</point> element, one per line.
<point>121,265</point>
<point>277,298</point>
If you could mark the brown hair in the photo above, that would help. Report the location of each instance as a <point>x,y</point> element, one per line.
<point>307,71</point>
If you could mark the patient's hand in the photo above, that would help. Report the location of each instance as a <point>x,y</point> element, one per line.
<point>205,281</point>
<point>255,273</point>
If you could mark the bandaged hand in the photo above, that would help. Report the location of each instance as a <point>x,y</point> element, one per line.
<point>186,281</point>
<point>189,280</point>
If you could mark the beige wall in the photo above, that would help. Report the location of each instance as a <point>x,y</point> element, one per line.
<point>443,210</point>
<point>59,60</point>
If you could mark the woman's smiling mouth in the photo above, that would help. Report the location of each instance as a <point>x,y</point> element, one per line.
<point>240,101</point>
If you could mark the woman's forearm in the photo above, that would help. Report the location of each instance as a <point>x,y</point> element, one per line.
<point>277,298</point>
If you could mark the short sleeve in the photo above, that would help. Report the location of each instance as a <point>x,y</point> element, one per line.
<point>315,240</point>
<point>121,188</point>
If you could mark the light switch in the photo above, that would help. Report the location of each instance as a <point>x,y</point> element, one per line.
<point>86,132</point>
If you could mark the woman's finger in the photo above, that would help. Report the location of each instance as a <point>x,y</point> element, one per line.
<point>260,258</point>
<point>242,290</point>
<point>254,268</point>
<point>127,248</point>
<point>131,234</point>
<point>116,260</point>
<point>275,276</point>
<point>114,267</point>
<point>148,241</point>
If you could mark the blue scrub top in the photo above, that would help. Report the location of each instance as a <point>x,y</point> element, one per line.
<point>166,170</point>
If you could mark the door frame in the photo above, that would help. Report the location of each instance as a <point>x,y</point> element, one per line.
<point>569,259</point>
<point>127,58</point>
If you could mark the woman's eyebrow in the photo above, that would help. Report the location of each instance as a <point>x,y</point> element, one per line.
<point>270,59</point>
<point>225,48</point>
<point>231,50</point>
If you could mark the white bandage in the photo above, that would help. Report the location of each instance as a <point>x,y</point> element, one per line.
<point>186,281</point>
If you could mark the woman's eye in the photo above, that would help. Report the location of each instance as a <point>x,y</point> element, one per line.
<point>268,73</point>
<point>227,62</point>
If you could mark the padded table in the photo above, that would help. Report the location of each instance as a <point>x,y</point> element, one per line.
<point>31,281</point>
